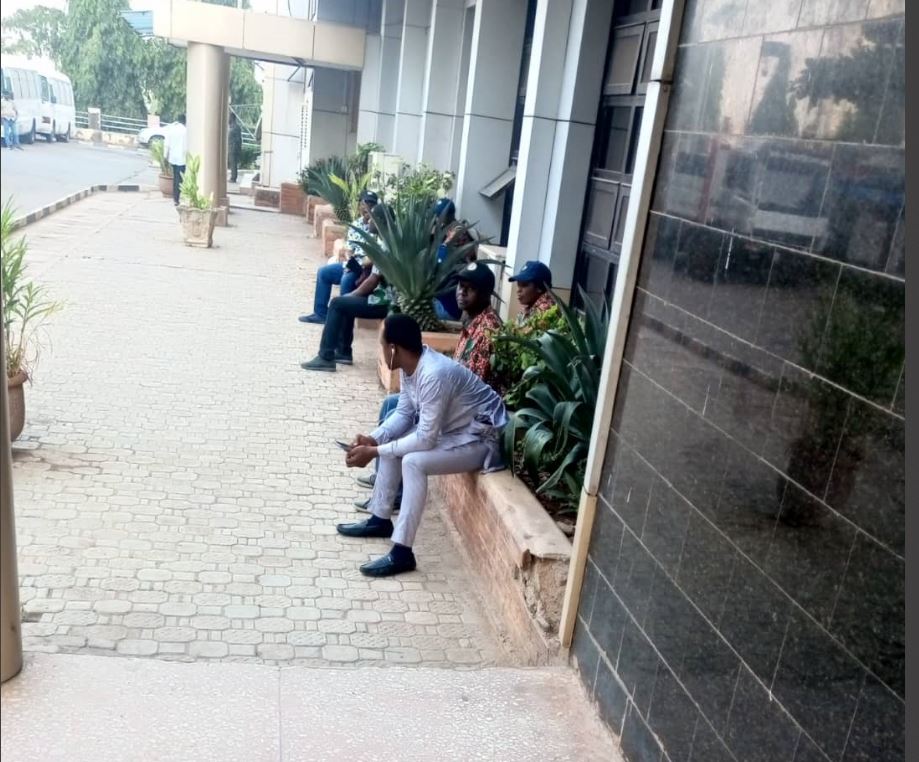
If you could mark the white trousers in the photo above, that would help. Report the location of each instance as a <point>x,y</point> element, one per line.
<point>413,471</point>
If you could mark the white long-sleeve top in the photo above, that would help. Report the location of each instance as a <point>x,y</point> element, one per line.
<point>176,144</point>
<point>444,405</point>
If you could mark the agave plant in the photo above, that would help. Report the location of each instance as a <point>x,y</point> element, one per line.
<point>26,305</point>
<point>551,430</point>
<point>317,180</point>
<point>158,154</point>
<point>352,187</point>
<point>406,255</point>
<point>189,190</point>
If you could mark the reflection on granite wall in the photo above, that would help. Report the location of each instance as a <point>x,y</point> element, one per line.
<point>744,595</point>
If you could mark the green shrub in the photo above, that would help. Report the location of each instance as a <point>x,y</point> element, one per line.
<point>549,433</point>
<point>511,359</point>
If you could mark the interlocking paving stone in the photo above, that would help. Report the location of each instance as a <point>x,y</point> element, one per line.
<point>176,493</point>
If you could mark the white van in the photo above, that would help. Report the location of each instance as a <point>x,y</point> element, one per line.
<point>21,79</point>
<point>43,96</point>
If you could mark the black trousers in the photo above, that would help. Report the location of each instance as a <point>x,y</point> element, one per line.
<point>178,172</point>
<point>338,333</point>
<point>233,161</point>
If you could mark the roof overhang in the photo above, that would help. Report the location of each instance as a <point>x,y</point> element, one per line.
<point>260,36</point>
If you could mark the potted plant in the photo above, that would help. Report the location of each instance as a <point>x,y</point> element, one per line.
<point>158,153</point>
<point>196,212</point>
<point>25,309</point>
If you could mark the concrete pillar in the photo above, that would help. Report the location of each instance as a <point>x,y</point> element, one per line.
<point>206,114</point>
<point>223,196</point>
<point>330,124</point>
<point>563,93</point>
<point>413,58</point>
<point>369,106</point>
<point>390,55</point>
<point>444,76</point>
<point>10,623</point>
<point>494,73</point>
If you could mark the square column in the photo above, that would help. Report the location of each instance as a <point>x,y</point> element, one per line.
<point>369,104</point>
<point>444,77</point>
<point>494,73</point>
<point>563,94</point>
<point>413,59</point>
<point>390,56</point>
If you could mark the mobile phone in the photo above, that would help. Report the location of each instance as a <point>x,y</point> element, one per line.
<point>345,447</point>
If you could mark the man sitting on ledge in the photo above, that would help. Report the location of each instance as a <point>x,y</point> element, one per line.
<point>447,421</point>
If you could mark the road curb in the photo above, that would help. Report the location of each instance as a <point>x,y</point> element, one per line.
<point>45,211</point>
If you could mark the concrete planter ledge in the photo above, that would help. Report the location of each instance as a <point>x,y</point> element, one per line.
<point>518,554</point>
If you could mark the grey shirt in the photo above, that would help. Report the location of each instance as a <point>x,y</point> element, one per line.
<point>444,405</point>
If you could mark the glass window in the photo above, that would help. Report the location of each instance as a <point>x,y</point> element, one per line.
<point>623,59</point>
<point>617,143</point>
<point>7,83</point>
<point>45,89</point>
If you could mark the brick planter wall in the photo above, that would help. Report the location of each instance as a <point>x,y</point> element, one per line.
<point>293,199</point>
<point>311,203</point>
<point>267,197</point>
<point>331,232</point>
<point>518,554</point>
<point>321,213</point>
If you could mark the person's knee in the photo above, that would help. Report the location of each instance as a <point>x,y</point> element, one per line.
<point>414,463</point>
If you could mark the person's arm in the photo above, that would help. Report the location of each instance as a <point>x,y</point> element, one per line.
<point>368,286</point>
<point>397,422</point>
<point>479,360</point>
<point>432,402</point>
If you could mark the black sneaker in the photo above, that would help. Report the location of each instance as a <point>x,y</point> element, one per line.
<point>364,506</point>
<point>317,363</point>
<point>342,359</point>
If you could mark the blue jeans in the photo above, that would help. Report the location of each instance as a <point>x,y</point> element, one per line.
<point>11,132</point>
<point>389,405</point>
<point>328,276</point>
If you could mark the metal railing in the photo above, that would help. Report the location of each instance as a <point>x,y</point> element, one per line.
<point>130,126</point>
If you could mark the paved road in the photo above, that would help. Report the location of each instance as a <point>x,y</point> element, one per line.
<point>43,173</point>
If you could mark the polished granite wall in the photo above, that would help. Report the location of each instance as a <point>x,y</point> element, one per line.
<point>744,596</point>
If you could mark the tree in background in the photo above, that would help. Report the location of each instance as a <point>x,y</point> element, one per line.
<point>104,57</point>
<point>35,33</point>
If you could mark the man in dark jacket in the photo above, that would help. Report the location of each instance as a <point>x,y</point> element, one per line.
<point>234,147</point>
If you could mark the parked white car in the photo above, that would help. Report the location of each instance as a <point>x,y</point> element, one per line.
<point>150,135</point>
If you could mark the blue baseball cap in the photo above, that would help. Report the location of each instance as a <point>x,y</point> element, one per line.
<point>370,198</point>
<point>534,272</point>
<point>444,206</point>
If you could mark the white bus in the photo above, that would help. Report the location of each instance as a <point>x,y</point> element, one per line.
<point>44,98</point>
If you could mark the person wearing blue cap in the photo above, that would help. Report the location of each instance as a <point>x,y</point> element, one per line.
<point>343,274</point>
<point>534,282</point>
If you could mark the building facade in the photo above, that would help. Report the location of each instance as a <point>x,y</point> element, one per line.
<point>743,591</point>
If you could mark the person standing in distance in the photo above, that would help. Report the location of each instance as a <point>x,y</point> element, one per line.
<point>176,151</point>
<point>234,147</point>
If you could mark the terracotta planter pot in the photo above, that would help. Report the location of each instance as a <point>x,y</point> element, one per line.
<point>165,183</point>
<point>15,387</point>
<point>440,341</point>
<point>198,226</point>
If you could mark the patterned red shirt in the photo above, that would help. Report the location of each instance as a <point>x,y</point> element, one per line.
<point>475,344</point>
<point>546,301</point>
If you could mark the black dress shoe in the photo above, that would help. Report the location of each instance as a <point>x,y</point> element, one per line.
<point>387,566</point>
<point>380,528</point>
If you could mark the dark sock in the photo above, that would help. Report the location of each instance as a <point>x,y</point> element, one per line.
<point>401,553</point>
<point>376,521</point>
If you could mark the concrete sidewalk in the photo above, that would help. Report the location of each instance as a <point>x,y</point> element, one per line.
<point>96,709</point>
